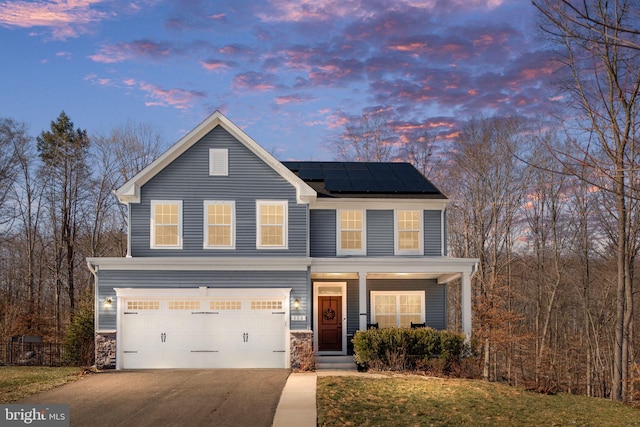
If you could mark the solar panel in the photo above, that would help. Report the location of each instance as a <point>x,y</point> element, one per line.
<point>365,177</point>
<point>338,185</point>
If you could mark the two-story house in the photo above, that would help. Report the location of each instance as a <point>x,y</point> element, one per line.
<point>234,257</point>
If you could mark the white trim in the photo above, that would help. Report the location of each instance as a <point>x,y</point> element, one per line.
<point>152,236</point>
<point>218,162</point>
<point>363,230</point>
<point>445,269</point>
<point>443,231</point>
<point>380,204</point>
<point>205,217</point>
<point>130,191</point>
<point>263,263</point>
<point>343,294</point>
<point>285,223</point>
<point>396,233</point>
<point>397,294</point>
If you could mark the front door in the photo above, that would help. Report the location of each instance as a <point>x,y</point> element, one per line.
<point>330,323</point>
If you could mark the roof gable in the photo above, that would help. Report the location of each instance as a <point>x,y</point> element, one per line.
<point>365,179</point>
<point>130,191</point>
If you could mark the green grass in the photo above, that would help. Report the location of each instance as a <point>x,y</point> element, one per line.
<point>18,382</point>
<point>419,401</point>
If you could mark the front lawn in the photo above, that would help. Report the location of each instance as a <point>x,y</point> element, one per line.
<point>421,401</point>
<point>18,382</point>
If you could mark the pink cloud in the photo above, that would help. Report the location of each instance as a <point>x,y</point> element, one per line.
<point>293,99</point>
<point>328,10</point>
<point>65,18</point>
<point>214,65</point>
<point>255,81</point>
<point>120,52</point>
<point>177,98</point>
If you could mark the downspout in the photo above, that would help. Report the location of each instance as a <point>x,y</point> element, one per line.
<point>96,306</point>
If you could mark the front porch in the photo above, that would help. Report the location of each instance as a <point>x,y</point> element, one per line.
<point>348,294</point>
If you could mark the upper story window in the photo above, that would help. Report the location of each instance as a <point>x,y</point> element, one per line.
<point>218,162</point>
<point>271,220</point>
<point>351,235</point>
<point>219,224</point>
<point>409,232</point>
<point>166,224</point>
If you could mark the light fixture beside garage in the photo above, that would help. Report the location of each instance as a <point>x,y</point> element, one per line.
<point>296,304</point>
<point>108,302</point>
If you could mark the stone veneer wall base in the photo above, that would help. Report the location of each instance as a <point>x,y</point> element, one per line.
<point>302,356</point>
<point>105,350</point>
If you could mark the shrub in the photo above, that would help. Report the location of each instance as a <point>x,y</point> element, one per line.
<point>397,349</point>
<point>79,339</point>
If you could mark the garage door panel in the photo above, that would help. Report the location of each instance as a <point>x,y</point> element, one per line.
<point>205,333</point>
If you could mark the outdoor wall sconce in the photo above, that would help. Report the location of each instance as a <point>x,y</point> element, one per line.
<point>108,302</point>
<point>296,304</point>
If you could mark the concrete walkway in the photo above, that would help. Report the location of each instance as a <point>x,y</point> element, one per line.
<point>297,406</point>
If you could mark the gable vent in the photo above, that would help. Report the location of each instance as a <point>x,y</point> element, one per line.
<point>218,162</point>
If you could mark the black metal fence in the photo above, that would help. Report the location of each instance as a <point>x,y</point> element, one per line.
<point>19,353</point>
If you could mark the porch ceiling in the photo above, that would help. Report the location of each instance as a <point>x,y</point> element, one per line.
<point>444,269</point>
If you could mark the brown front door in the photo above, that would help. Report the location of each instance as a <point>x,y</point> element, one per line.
<point>330,323</point>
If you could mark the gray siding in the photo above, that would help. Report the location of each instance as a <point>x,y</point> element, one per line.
<point>109,279</point>
<point>380,235</point>
<point>322,234</point>
<point>433,233</point>
<point>187,179</point>
<point>435,297</point>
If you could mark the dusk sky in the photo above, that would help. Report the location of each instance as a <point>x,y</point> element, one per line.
<point>288,72</point>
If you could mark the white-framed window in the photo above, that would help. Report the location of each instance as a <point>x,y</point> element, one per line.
<point>166,224</point>
<point>351,236</point>
<point>218,162</point>
<point>397,308</point>
<point>219,224</point>
<point>409,232</point>
<point>271,220</point>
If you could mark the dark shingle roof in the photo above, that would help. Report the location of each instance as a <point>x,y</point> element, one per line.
<point>365,179</point>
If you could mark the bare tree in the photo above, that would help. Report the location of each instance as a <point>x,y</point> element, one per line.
<point>598,43</point>
<point>12,135</point>
<point>116,158</point>
<point>367,138</point>
<point>420,153</point>
<point>487,187</point>
<point>27,202</point>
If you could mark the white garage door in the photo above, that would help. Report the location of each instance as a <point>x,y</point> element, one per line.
<point>182,331</point>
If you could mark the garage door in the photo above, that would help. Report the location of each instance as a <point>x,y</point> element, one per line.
<point>229,331</point>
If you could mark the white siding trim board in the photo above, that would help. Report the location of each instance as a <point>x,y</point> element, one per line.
<point>202,263</point>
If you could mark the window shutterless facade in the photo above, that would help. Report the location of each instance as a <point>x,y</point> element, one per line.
<point>351,232</point>
<point>397,309</point>
<point>409,232</point>
<point>272,227</point>
<point>219,224</point>
<point>166,224</point>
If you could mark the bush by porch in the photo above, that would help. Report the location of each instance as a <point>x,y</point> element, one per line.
<point>399,349</point>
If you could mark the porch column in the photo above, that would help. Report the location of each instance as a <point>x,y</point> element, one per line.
<point>466,305</point>
<point>362,295</point>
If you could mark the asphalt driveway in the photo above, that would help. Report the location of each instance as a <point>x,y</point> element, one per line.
<point>214,397</point>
